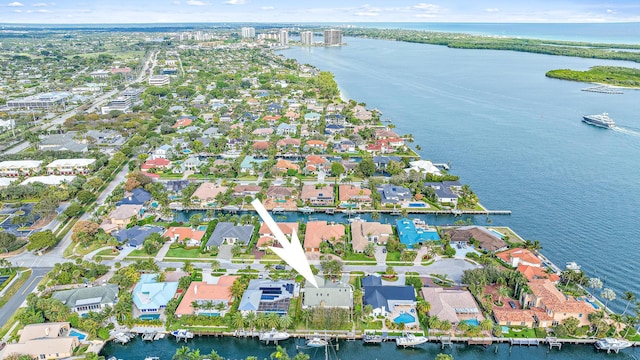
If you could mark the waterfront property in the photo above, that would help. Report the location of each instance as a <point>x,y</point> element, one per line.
<point>452,304</point>
<point>353,196</point>
<point>318,196</point>
<point>329,294</point>
<point>531,318</point>
<point>186,235</point>
<point>319,231</point>
<point>207,299</point>
<point>206,193</point>
<point>83,300</point>
<point>267,238</point>
<point>230,233</point>
<point>364,233</point>
<point>393,194</point>
<point>559,306</point>
<point>150,297</point>
<point>267,296</point>
<point>519,256</point>
<point>487,240</point>
<point>45,341</point>
<point>443,193</point>
<point>413,232</point>
<point>388,300</point>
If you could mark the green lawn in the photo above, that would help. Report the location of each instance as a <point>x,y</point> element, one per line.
<point>393,256</point>
<point>520,332</point>
<point>108,252</point>
<point>183,253</point>
<point>140,252</point>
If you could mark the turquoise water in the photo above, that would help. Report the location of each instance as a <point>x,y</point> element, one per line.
<point>499,234</point>
<point>404,319</point>
<point>417,205</point>
<point>519,141</point>
<point>202,227</point>
<point>79,335</point>
<point>473,322</point>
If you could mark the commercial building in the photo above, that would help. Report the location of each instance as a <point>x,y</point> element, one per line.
<point>248,32</point>
<point>306,37</point>
<point>70,166</point>
<point>15,168</point>
<point>332,37</point>
<point>158,80</point>
<point>40,101</point>
<point>120,103</point>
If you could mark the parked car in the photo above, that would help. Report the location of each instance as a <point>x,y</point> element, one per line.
<point>279,267</point>
<point>118,247</point>
<point>384,250</point>
<point>512,304</point>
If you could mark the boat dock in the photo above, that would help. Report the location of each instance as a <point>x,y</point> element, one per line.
<point>603,89</point>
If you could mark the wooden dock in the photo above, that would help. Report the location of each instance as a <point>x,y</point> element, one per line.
<point>602,89</point>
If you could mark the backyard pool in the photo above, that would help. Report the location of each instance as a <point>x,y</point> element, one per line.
<point>499,234</point>
<point>595,306</point>
<point>79,335</point>
<point>417,205</point>
<point>473,322</point>
<point>186,151</point>
<point>404,319</point>
<point>202,228</point>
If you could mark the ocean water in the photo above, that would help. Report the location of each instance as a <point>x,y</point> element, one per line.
<point>517,138</point>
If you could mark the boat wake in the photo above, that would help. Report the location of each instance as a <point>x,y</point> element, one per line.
<point>627,131</point>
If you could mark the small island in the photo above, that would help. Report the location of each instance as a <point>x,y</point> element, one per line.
<point>608,75</point>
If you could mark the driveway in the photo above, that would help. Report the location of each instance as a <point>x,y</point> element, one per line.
<point>380,255</point>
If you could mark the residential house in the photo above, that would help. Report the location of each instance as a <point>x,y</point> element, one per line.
<point>546,296</point>
<point>286,129</point>
<point>364,233</point>
<point>274,108</point>
<point>422,166</point>
<point>335,108</point>
<point>316,145</point>
<point>212,133</point>
<point>333,129</point>
<point>206,193</point>
<point>267,296</point>
<point>136,235</point>
<point>137,196</point>
<point>537,272</point>
<point>262,132</point>
<point>382,161</point>
<point>186,235</point>
<point>208,117</point>
<point>361,113</point>
<point>271,118</point>
<point>519,256</point>
<point>159,163</point>
<point>443,193</point>
<point>319,231</point>
<point>182,122</point>
<point>70,166</point>
<point>345,146</point>
<point>260,146</point>
<point>121,215</point>
<point>385,133</point>
<point>246,190</point>
<point>150,297</point>
<point>230,233</point>
<point>16,168</point>
<point>279,192</point>
<point>352,196</point>
<point>292,115</point>
<point>386,299</point>
<point>85,299</point>
<point>531,318</point>
<point>488,240</point>
<point>412,232</point>
<point>288,143</point>
<point>211,299</point>
<point>453,305</point>
<point>318,196</point>
<point>247,164</point>
<point>162,152</point>
<point>45,341</point>
<point>328,294</point>
<point>312,117</point>
<point>267,238</point>
<point>283,165</point>
<point>192,163</point>
<point>60,142</point>
<point>393,194</point>
<point>316,163</point>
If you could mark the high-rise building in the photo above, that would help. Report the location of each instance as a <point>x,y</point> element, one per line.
<point>306,37</point>
<point>332,37</point>
<point>284,37</point>
<point>248,32</point>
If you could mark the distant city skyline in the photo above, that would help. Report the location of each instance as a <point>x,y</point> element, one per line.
<point>289,11</point>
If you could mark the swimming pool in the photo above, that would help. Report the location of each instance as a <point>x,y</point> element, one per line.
<point>202,228</point>
<point>473,322</point>
<point>79,335</point>
<point>595,306</point>
<point>404,319</point>
<point>417,205</point>
<point>186,151</point>
<point>500,235</point>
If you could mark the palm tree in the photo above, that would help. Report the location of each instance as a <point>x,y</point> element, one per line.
<point>237,321</point>
<point>423,307</point>
<point>250,320</point>
<point>608,295</point>
<point>503,291</point>
<point>195,305</point>
<point>272,320</point>
<point>629,296</point>
<point>261,321</point>
<point>181,354</point>
<point>285,322</point>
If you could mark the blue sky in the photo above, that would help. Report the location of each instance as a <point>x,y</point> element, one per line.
<point>299,11</point>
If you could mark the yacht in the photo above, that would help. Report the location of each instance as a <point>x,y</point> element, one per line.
<point>316,341</point>
<point>602,120</point>
<point>410,340</point>
<point>571,265</point>
<point>274,335</point>
<point>152,358</point>
<point>372,339</point>
<point>610,344</point>
<point>182,334</point>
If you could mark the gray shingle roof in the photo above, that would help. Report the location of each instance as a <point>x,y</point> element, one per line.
<point>70,298</point>
<point>229,230</point>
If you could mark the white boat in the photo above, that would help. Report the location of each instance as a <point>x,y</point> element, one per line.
<point>152,358</point>
<point>611,344</point>
<point>317,342</point>
<point>602,120</point>
<point>571,265</point>
<point>182,334</point>
<point>372,339</point>
<point>274,335</point>
<point>410,340</point>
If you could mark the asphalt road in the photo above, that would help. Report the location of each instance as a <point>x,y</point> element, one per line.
<point>14,303</point>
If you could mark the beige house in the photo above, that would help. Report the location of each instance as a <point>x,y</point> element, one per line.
<point>546,296</point>
<point>70,166</point>
<point>15,168</point>
<point>44,341</point>
<point>364,233</point>
<point>121,216</point>
<point>206,193</point>
<point>452,305</point>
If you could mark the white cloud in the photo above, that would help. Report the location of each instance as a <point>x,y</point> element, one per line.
<point>40,4</point>
<point>196,3</point>
<point>236,2</point>
<point>267,8</point>
<point>611,11</point>
<point>492,10</point>
<point>15,3</point>
<point>38,11</point>
<point>425,6</point>
<point>366,13</point>
<point>17,11</point>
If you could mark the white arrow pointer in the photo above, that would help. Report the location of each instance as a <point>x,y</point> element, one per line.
<point>291,252</point>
